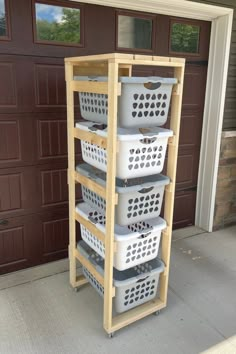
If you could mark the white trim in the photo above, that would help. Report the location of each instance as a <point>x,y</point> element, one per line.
<point>213,120</point>
<point>180,8</point>
<point>222,19</point>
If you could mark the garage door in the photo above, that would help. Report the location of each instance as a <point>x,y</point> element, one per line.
<point>35,36</point>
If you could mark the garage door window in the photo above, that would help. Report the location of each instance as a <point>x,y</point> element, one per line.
<point>4,30</point>
<point>134,32</point>
<point>58,24</point>
<point>184,38</point>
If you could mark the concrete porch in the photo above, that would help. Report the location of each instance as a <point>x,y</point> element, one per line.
<point>39,312</point>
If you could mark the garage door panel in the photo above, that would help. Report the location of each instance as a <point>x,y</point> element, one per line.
<point>190,129</point>
<point>184,209</point>
<point>53,183</point>
<point>18,95</point>
<point>18,191</point>
<point>27,190</point>
<point>32,84</point>
<point>55,237</point>
<point>53,186</point>
<point>52,138</point>
<point>186,176</point>
<point>8,92</point>
<point>17,142</point>
<point>18,244</point>
<point>55,234</point>
<point>50,85</point>
<point>194,87</point>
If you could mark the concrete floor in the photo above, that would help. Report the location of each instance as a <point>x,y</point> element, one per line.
<point>46,316</point>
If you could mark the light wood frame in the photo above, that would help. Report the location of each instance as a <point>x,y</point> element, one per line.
<point>113,65</point>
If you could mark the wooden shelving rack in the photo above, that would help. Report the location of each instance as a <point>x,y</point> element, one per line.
<point>115,65</point>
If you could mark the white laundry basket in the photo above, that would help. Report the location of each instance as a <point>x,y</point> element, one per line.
<point>141,151</point>
<point>134,286</point>
<point>144,101</point>
<point>138,199</point>
<point>136,243</point>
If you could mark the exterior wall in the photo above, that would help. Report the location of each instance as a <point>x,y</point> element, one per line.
<point>225,208</point>
<point>230,101</point>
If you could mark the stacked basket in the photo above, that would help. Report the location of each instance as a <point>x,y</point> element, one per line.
<point>142,108</point>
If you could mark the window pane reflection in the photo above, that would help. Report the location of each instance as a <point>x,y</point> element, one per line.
<point>134,32</point>
<point>184,38</point>
<point>56,23</point>
<point>3,22</point>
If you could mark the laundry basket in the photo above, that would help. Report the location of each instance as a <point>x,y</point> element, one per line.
<point>144,101</point>
<point>136,243</point>
<point>138,198</point>
<point>134,286</point>
<point>141,151</point>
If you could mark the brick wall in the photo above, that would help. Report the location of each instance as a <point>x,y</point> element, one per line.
<point>225,208</point>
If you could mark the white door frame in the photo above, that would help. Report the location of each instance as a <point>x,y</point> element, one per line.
<point>222,19</point>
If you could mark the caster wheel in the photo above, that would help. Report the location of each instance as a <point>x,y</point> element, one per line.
<point>76,290</point>
<point>157,313</point>
<point>111,335</point>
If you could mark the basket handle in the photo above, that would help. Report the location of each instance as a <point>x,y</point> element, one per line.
<point>148,140</point>
<point>142,236</point>
<point>146,190</point>
<point>94,221</point>
<point>152,85</point>
<point>92,78</point>
<point>95,127</point>
<point>142,279</point>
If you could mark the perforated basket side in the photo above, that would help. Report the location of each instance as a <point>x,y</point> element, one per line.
<point>93,199</point>
<point>141,158</point>
<point>136,294</point>
<point>93,281</point>
<point>138,206</point>
<point>136,251</point>
<point>92,241</point>
<point>143,107</point>
<point>94,155</point>
<point>93,106</point>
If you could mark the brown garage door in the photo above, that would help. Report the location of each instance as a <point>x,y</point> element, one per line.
<point>33,147</point>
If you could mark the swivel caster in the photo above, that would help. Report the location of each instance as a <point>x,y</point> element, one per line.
<point>111,335</point>
<point>157,313</point>
<point>76,290</point>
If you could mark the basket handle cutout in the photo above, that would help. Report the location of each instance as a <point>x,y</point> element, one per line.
<point>147,141</point>
<point>95,127</point>
<point>152,85</point>
<point>92,78</point>
<point>144,235</point>
<point>146,190</point>
<point>142,279</point>
<point>94,221</point>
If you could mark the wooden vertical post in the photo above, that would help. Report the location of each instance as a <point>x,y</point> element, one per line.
<point>176,106</point>
<point>71,168</point>
<point>110,191</point>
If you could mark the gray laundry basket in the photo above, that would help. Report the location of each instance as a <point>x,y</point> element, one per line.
<point>138,198</point>
<point>144,101</point>
<point>135,244</point>
<point>134,286</point>
<point>141,151</point>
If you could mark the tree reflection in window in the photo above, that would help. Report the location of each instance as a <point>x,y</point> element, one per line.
<point>184,38</point>
<point>56,23</point>
<point>3,24</point>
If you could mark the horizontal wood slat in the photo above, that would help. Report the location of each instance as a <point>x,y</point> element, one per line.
<point>90,137</point>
